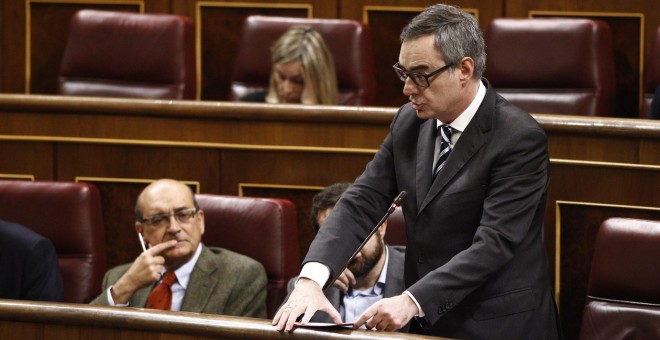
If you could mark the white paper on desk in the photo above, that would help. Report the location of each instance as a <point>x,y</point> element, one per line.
<point>323,324</point>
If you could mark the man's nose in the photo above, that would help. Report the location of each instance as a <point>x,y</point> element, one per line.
<point>409,87</point>
<point>174,225</point>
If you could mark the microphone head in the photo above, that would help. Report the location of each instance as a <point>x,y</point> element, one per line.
<point>399,199</point>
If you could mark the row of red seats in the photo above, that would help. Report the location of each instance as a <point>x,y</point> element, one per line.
<point>560,65</point>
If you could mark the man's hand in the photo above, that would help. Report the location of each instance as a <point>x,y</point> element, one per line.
<point>345,280</point>
<point>305,299</point>
<point>145,270</point>
<point>388,314</point>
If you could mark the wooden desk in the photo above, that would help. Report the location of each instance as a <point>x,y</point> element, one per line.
<point>40,320</point>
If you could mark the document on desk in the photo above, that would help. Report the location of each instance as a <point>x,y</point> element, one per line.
<point>323,324</point>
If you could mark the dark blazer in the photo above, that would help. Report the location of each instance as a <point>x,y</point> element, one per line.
<point>393,283</point>
<point>29,265</point>
<point>475,257</point>
<point>222,282</point>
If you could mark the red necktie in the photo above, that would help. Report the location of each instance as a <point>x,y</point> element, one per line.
<point>161,296</point>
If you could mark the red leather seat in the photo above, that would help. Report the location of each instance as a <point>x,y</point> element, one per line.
<point>348,40</point>
<point>264,229</point>
<point>623,295</point>
<point>396,229</point>
<point>651,76</point>
<point>553,65</point>
<point>69,215</point>
<point>120,54</point>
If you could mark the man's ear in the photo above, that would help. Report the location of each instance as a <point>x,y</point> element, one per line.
<point>139,227</point>
<point>466,68</point>
<point>200,215</point>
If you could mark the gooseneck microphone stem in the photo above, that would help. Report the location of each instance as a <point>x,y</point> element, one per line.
<point>397,202</point>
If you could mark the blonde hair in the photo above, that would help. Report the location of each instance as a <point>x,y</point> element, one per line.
<point>306,45</point>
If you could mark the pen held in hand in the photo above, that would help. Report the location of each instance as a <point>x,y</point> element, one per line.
<point>142,242</point>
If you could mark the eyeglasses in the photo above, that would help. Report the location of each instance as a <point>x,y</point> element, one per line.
<point>420,79</point>
<point>161,220</point>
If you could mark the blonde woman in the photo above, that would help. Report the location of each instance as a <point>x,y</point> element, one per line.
<point>303,70</point>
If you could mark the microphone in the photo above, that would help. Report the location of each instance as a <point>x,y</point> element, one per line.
<point>397,202</point>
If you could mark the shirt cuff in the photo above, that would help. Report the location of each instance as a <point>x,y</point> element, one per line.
<point>111,302</point>
<point>315,271</point>
<point>419,309</point>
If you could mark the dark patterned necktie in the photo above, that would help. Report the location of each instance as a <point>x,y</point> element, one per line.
<point>445,148</point>
<point>161,296</point>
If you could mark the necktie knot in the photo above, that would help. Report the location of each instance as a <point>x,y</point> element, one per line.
<point>444,132</point>
<point>169,278</point>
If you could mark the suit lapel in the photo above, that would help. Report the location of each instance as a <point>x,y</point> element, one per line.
<point>471,140</point>
<point>425,149</point>
<point>201,283</point>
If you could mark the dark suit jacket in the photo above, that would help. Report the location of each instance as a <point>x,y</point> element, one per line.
<point>222,282</point>
<point>29,265</point>
<point>475,257</point>
<point>393,283</point>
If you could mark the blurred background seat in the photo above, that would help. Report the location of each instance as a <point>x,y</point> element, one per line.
<point>396,229</point>
<point>348,40</point>
<point>264,229</point>
<point>120,54</point>
<point>623,294</point>
<point>553,65</point>
<point>651,75</point>
<point>69,215</point>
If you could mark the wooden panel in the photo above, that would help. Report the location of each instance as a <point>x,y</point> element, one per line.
<point>20,158</point>
<point>577,226</point>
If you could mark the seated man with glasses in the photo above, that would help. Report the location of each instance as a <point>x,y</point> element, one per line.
<point>176,271</point>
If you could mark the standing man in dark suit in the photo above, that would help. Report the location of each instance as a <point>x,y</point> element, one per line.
<point>375,273</point>
<point>29,267</point>
<point>476,266</point>
<point>204,280</point>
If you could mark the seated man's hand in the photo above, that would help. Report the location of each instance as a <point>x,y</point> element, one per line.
<point>345,280</point>
<point>145,270</point>
<point>305,299</point>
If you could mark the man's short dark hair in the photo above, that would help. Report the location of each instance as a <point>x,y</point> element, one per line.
<point>326,199</point>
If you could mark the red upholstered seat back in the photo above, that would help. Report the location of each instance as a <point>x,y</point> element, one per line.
<point>348,40</point>
<point>264,229</point>
<point>396,229</point>
<point>623,295</point>
<point>651,75</point>
<point>553,65</point>
<point>69,215</point>
<point>120,54</point>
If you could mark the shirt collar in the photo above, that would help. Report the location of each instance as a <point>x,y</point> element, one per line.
<point>183,273</point>
<point>461,122</point>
